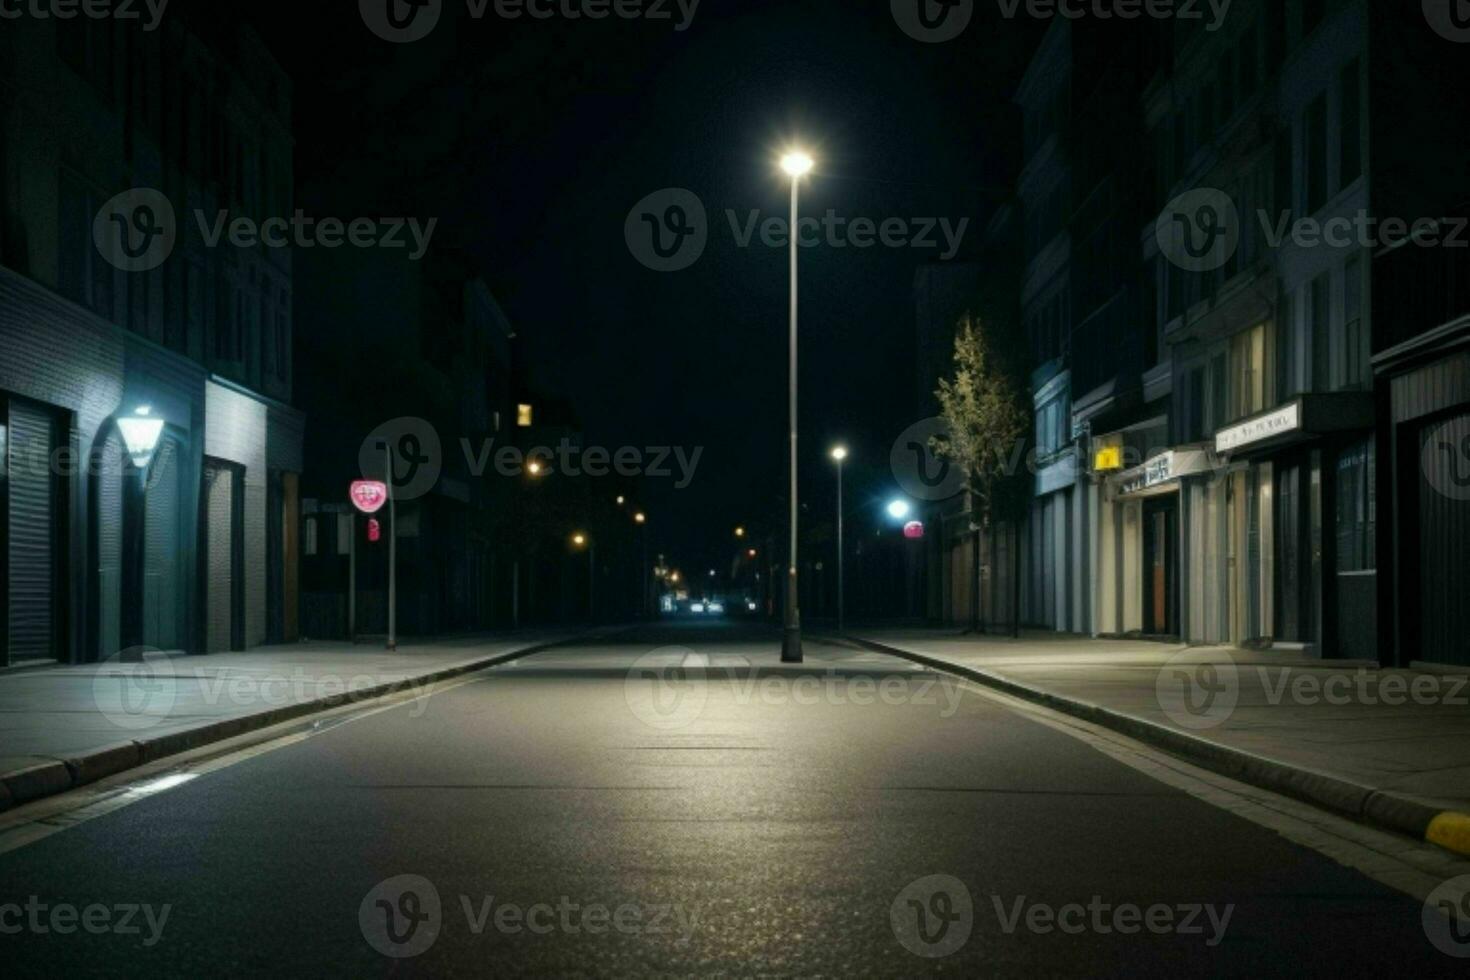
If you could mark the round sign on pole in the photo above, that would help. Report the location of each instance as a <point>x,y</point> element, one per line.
<point>369,496</point>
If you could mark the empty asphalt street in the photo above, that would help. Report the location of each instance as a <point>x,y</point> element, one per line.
<point>672,800</point>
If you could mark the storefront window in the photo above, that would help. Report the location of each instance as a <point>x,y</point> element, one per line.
<point>1356,508</point>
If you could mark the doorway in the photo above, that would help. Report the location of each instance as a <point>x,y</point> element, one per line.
<point>1160,566</point>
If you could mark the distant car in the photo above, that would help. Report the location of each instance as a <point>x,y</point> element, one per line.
<point>752,605</point>
<point>696,607</point>
<point>715,607</point>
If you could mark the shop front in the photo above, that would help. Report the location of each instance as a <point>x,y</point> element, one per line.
<point>1288,502</point>
<point>1140,561</point>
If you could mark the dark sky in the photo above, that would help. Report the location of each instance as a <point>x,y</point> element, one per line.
<point>530,141</point>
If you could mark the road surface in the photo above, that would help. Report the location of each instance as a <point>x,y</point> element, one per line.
<point>589,811</point>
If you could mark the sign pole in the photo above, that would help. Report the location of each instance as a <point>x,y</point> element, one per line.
<point>392,554</point>
<point>352,579</point>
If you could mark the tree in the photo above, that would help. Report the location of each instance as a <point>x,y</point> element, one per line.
<point>986,421</point>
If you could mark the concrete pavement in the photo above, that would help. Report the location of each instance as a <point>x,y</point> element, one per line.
<point>1388,746</point>
<point>68,725</point>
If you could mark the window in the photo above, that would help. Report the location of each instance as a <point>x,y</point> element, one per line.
<point>1351,125</point>
<point>1053,426</point>
<point>86,278</point>
<point>1219,391</point>
<point>311,544</point>
<point>1357,504</point>
<point>1314,147</point>
<point>1248,372</point>
<point>1354,337</point>
<point>1321,320</point>
<point>1192,421</point>
<point>525,416</point>
<point>1286,347</point>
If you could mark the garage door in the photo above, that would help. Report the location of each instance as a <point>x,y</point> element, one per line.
<point>1444,526</point>
<point>219,485</point>
<point>32,531</point>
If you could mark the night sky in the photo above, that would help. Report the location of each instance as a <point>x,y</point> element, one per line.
<point>530,141</point>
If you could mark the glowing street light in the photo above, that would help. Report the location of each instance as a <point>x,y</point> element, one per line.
<point>640,518</point>
<point>797,164</point>
<point>740,532</point>
<point>898,509</point>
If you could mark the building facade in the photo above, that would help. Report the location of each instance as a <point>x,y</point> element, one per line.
<point>185,345</point>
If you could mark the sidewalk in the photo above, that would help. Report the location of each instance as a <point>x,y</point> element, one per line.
<point>65,726</point>
<point>1387,747</point>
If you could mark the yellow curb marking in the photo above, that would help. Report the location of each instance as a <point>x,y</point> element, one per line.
<point>1450,830</point>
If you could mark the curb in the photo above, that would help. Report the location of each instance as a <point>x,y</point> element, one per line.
<point>1448,829</point>
<point>60,775</point>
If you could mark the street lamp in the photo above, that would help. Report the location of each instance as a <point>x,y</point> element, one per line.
<point>839,453</point>
<point>740,532</point>
<point>797,164</point>
<point>898,509</point>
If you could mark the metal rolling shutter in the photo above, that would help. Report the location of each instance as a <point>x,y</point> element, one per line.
<point>109,548</point>
<point>220,486</point>
<point>1444,529</point>
<point>162,581</point>
<point>32,530</point>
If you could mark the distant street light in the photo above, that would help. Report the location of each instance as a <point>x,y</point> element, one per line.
<point>898,509</point>
<point>839,453</point>
<point>797,164</point>
<point>740,532</point>
<point>535,467</point>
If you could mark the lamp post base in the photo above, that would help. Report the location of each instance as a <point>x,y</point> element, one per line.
<point>791,644</point>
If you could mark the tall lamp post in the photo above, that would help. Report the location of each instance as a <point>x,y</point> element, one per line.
<point>797,164</point>
<point>641,519</point>
<point>839,453</point>
<point>580,540</point>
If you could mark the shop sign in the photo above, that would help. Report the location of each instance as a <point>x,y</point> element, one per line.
<point>1288,418</point>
